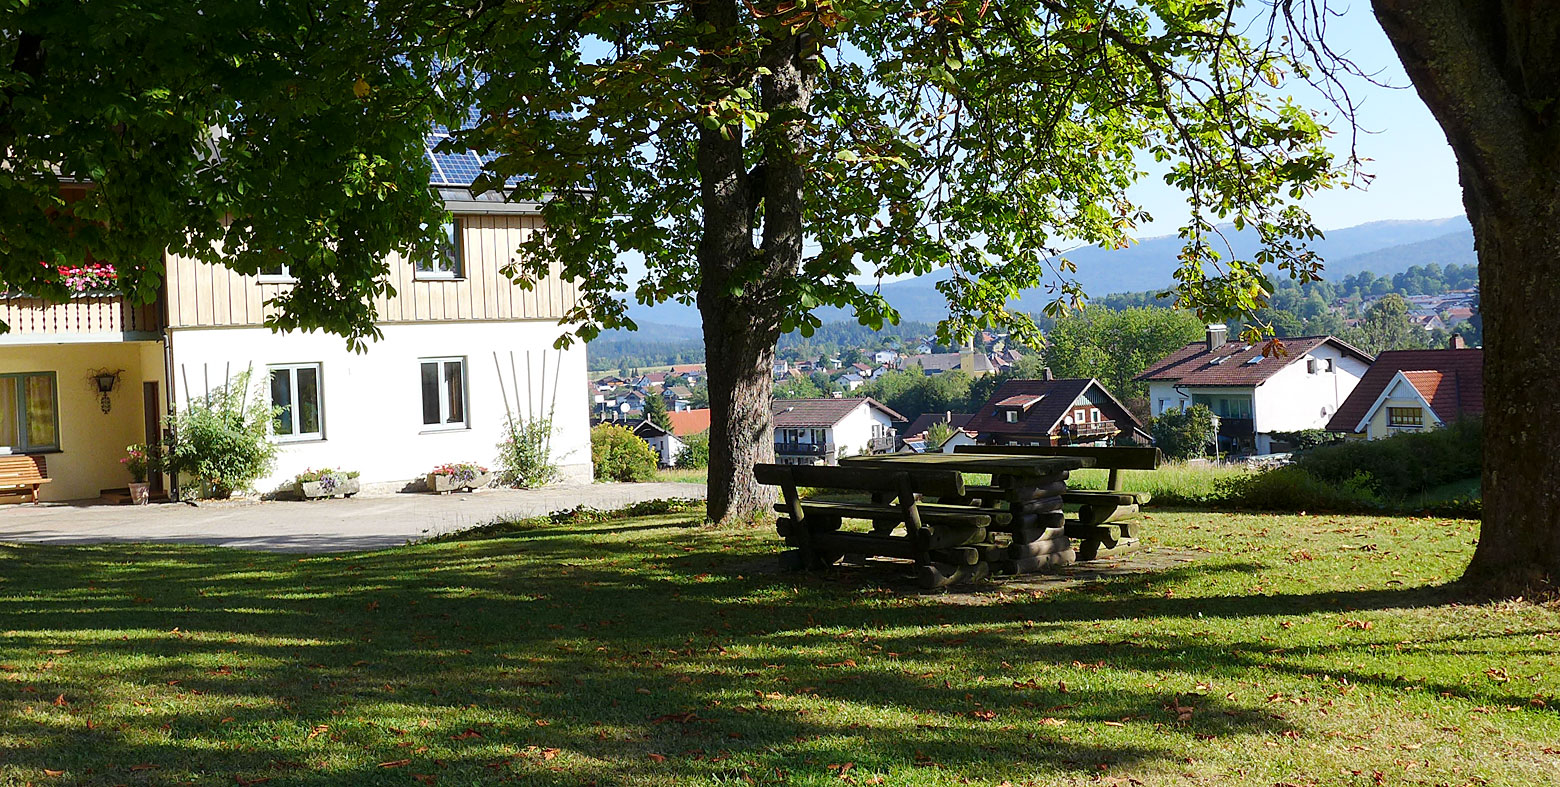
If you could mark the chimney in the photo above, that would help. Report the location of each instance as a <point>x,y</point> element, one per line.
<point>1045,374</point>
<point>1216,334</point>
<point>1456,342</point>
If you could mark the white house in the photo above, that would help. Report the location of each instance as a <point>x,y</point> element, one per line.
<point>885,356</point>
<point>850,381</point>
<point>463,348</point>
<point>667,446</point>
<point>820,431</point>
<point>1254,391</point>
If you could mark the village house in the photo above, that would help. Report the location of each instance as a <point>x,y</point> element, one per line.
<point>882,357</point>
<point>1069,411</point>
<point>1414,391</point>
<point>972,363</point>
<point>1256,392</point>
<point>463,348</point>
<point>820,431</point>
<point>668,446</point>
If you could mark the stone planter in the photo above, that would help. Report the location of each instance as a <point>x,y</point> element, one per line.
<point>315,490</point>
<point>140,493</point>
<point>444,484</point>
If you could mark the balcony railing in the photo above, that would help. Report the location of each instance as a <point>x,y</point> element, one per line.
<point>85,314</point>
<point>1236,427</point>
<point>881,445</point>
<point>1094,429</point>
<point>803,449</point>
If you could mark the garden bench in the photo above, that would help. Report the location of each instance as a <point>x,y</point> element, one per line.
<point>23,475</point>
<point>935,536</point>
<point>1105,523</point>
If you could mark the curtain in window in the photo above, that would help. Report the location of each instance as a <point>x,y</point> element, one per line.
<point>39,390</point>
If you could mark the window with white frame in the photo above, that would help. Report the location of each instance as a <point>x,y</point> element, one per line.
<point>277,273</point>
<point>1012,416</point>
<point>449,263</point>
<point>295,393</point>
<point>29,412</point>
<point>444,393</point>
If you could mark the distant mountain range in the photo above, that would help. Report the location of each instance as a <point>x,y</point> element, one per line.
<point>1381,247</point>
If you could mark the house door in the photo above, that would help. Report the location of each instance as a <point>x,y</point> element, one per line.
<point>153,415</point>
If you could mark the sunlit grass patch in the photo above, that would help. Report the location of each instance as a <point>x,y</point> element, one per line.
<point>655,649</point>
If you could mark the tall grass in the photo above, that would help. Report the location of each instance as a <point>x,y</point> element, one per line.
<point>1175,484</point>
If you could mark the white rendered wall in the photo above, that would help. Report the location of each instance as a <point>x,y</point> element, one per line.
<point>853,432</point>
<point>1163,396</point>
<point>1295,399</point>
<point>372,402</point>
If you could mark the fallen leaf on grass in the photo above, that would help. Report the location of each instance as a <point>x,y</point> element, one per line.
<point>656,757</point>
<point>318,730</point>
<point>242,782</point>
<point>145,766</point>
<point>395,764</point>
<point>425,778</point>
<point>48,772</point>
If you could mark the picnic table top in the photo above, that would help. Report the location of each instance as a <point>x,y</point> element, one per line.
<point>1030,466</point>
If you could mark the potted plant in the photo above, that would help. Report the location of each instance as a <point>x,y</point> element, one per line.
<point>326,482</point>
<point>142,461</point>
<point>457,476</point>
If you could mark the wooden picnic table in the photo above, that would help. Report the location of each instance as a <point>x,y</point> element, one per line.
<point>1028,530</point>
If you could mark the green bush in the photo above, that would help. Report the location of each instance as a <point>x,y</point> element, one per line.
<point>1290,488</point>
<point>1402,465</point>
<point>1307,438</point>
<point>619,455</point>
<point>696,452</point>
<point>525,453</point>
<point>222,442</point>
<point>1185,434</point>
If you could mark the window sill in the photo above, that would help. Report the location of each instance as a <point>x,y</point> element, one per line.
<point>277,280</point>
<point>298,439</point>
<point>427,429</point>
<point>34,452</point>
<point>426,277</point>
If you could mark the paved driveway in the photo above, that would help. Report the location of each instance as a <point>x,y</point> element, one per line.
<point>363,522</point>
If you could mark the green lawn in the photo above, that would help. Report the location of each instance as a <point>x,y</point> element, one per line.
<point>654,650</point>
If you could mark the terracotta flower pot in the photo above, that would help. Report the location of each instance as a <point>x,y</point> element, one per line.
<point>140,493</point>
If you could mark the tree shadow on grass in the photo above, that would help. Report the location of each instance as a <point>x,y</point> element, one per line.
<point>614,659</point>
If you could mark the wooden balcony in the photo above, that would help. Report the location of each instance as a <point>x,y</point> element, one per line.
<point>784,448</point>
<point>102,317</point>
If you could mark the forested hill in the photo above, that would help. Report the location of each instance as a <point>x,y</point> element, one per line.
<point>1383,247</point>
<point>1417,258</point>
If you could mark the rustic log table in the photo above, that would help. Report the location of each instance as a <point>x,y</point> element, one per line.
<point>1028,530</point>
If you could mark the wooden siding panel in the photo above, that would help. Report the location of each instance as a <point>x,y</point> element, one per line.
<point>203,295</point>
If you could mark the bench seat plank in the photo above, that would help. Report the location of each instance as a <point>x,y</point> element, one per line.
<point>931,514</point>
<point>1098,497</point>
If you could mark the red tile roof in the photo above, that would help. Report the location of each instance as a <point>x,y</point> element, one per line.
<point>1452,381</point>
<point>819,413</point>
<point>1232,364</point>
<point>690,422</point>
<point>1040,419</point>
<point>1022,400</point>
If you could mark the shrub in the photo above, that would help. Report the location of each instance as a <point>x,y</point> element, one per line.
<point>1307,438</point>
<point>1186,433</point>
<point>696,452</point>
<point>1402,465</point>
<point>619,455</point>
<point>1290,488</point>
<point>222,441</point>
<point>525,453</point>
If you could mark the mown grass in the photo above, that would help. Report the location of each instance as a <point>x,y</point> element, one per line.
<point>655,650</point>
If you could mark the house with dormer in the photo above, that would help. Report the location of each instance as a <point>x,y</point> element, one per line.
<point>1073,411</point>
<point>1258,389</point>
<point>1414,391</point>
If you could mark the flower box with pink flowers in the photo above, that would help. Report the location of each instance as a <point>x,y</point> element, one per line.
<point>458,476</point>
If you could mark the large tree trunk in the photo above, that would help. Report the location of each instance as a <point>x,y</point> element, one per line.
<point>741,296</point>
<point>1488,73</point>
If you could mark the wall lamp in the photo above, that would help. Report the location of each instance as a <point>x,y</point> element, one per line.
<point>104,381</point>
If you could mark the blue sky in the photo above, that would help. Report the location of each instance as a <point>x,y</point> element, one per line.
<point>1415,171</point>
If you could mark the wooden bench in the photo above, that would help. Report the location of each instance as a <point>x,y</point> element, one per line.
<point>944,541</point>
<point>23,475</point>
<point>1105,520</point>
